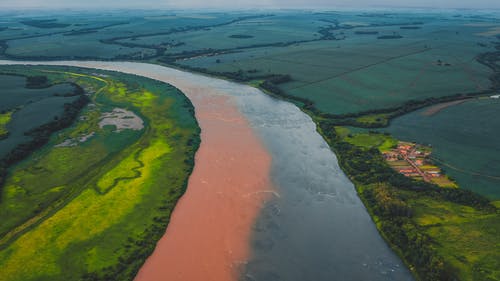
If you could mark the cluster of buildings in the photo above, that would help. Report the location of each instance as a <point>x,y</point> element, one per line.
<point>412,160</point>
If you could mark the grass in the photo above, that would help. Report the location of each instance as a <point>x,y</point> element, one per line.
<point>4,120</point>
<point>445,182</point>
<point>367,140</point>
<point>72,211</point>
<point>381,119</point>
<point>467,237</point>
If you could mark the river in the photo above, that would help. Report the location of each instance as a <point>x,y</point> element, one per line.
<point>278,208</point>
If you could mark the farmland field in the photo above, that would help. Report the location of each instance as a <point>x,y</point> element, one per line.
<point>463,235</point>
<point>94,200</point>
<point>337,60</point>
<point>465,141</point>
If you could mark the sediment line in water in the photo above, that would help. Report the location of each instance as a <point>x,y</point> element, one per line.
<point>312,226</point>
<point>209,231</point>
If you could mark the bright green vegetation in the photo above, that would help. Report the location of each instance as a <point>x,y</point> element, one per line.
<point>441,233</point>
<point>4,120</point>
<point>465,140</point>
<point>94,207</point>
<point>334,66</point>
<point>382,142</point>
<point>468,237</point>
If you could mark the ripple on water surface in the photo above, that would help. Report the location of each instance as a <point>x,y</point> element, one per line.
<point>314,227</point>
<point>317,229</point>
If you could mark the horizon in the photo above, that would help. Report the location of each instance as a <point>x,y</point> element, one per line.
<point>250,5</point>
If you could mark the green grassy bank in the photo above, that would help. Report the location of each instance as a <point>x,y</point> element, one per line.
<point>91,204</point>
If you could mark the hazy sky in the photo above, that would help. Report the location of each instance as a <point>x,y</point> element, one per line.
<point>480,4</point>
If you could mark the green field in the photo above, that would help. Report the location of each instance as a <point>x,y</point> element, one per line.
<point>4,120</point>
<point>367,140</point>
<point>438,232</point>
<point>465,140</point>
<point>362,72</point>
<point>335,59</point>
<point>93,202</point>
<point>334,63</point>
<point>467,237</point>
<point>82,38</point>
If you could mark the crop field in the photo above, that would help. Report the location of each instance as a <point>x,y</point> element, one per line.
<point>264,30</point>
<point>465,236</point>
<point>465,141</point>
<point>82,34</point>
<point>362,72</point>
<point>337,60</point>
<point>94,200</point>
<point>88,202</point>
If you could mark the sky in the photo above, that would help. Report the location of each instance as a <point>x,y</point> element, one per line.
<point>89,4</point>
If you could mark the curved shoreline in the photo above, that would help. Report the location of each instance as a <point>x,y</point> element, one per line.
<point>211,224</point>
<point>315,229</point>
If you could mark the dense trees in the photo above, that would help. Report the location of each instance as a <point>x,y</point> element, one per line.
<point>41,135</point>
<point>378,187</point>
<point>36,82</point>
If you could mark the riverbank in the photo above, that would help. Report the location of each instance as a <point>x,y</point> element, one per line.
<point>311,192</point>
<point>207,237</point>
<point>94,209</point>
<point>403,216</point>
<point>420,220</point>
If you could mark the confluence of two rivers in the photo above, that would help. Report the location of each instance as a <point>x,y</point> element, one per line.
<point>266,200</point>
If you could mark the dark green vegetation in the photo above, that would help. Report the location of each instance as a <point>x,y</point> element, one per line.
<point>394,36</point>
<point>240,36</point>
<point>361,32</point>
<point>31,109</point>
<point>337,68</point>
<point>93,201</point>
<point>334,60</point>
<point>441,233</point>
<point>466,135</point>
<point>49,23</point>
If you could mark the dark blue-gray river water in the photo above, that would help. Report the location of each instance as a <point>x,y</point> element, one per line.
<point>315,228</point>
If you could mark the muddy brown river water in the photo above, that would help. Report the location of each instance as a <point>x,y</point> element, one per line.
<point>266,200</point>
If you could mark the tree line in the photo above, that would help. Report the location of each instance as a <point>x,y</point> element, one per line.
<point>379,182</point>
<point>40,136</point>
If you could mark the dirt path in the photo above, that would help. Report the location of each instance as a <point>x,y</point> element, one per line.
<point>435,109</point>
